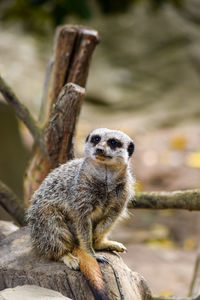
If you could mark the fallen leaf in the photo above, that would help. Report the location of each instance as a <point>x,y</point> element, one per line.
<point>166,293</point>
<point>178,142</point>
<point>192,160</point>
<point>189,244</point>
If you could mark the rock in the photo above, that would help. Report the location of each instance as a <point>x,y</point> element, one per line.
<point>7,228</point>
<point>20,266</point>
<point>30,292</point>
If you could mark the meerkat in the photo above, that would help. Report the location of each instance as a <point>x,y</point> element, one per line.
<point>78,203</point>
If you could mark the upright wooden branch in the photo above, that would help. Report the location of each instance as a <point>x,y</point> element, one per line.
<point>60,130</point>
<point>84,46</point>
<point>73,50</point>
<point>189,199</point>
<point>23,114</point>
<point>11,203</point>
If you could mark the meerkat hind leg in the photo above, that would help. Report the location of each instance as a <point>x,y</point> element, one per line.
<point>71,261</point>
<point>109,245</point>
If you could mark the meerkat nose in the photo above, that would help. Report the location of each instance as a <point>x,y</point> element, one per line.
<point>99,151</point>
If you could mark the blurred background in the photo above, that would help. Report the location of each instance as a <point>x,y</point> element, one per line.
<point>144,80</point>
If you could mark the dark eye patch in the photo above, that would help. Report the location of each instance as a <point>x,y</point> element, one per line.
<point>114,143</point>
<point>130,149</point>
<point>87,138</point>
<point>95,139</point>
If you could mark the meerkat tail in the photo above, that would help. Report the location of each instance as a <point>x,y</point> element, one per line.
<point>90,269</point>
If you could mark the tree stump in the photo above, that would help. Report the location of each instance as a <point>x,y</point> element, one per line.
<point>20,266</point>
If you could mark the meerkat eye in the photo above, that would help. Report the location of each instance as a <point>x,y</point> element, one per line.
<point>95,139</point>
<point>114,143</point>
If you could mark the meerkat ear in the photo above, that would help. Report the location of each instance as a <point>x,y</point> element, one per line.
<point>130,149</point>
<point>87,138</point>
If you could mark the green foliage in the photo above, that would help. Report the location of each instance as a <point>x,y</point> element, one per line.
<point>43,15</point>
<point>113,6</point>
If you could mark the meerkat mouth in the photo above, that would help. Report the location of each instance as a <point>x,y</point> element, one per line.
<point>103,157</point>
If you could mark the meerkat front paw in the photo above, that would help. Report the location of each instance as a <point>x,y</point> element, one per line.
<point>116,246</point>
<point>110,246</point>
<point>71,261</point>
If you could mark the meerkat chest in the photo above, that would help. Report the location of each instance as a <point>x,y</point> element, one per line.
<point>104,197</point>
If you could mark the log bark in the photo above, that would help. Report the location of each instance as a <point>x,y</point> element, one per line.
<point>74,46</point>
<point>60,130</point>
<point>19,266</point>
<point>188,199</point>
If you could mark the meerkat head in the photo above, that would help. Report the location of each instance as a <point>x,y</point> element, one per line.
<point>109,146</point>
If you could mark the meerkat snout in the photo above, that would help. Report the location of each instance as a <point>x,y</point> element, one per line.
<point>100,151</point>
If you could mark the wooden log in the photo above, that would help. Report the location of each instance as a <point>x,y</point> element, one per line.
<point>20,266</point>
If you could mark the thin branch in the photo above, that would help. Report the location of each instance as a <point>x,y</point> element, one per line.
<point>11,203</point>
<point>188,199</point>
<point>190,12</point>
<point>195,284</point>
<point>45,89</point>
<point>23,114</point>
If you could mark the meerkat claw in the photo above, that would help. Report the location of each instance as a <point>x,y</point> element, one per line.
<point>101,258</point>
<point>71,262</point>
